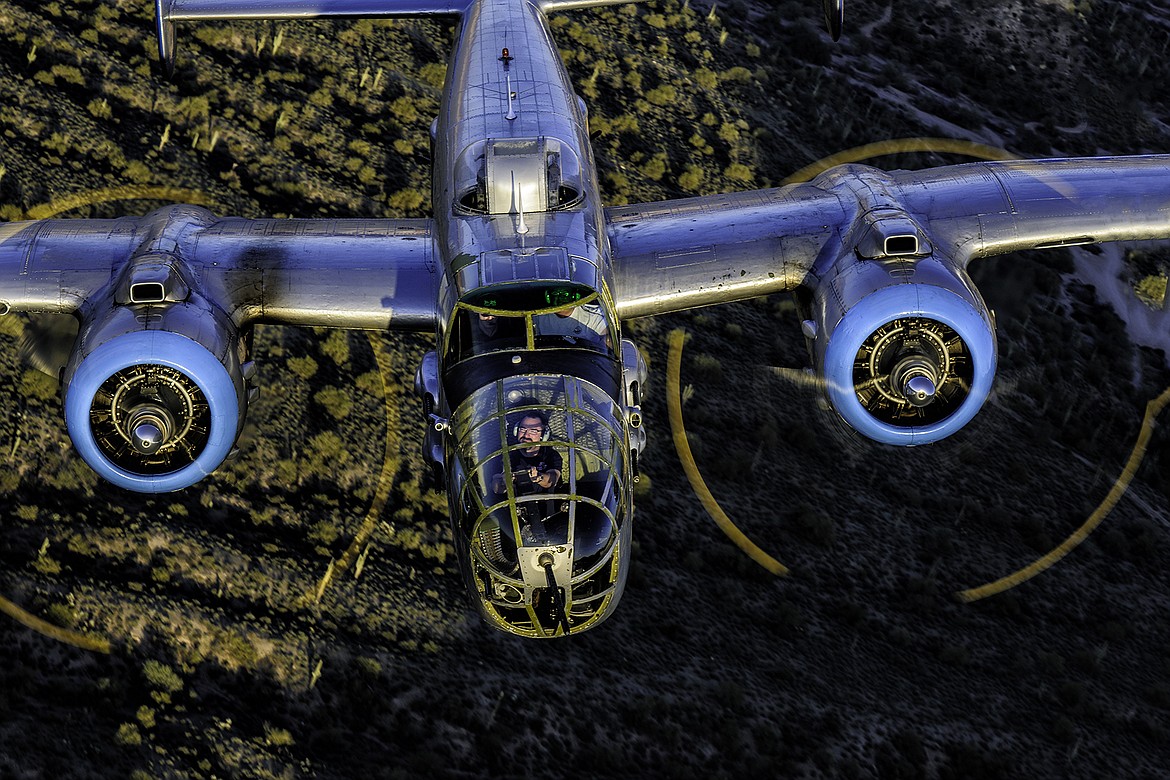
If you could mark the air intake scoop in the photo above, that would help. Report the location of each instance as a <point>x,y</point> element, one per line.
<point>887,233</point>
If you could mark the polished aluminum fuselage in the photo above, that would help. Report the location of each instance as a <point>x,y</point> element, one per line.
<point>477,107</point>
<point>507,87</point>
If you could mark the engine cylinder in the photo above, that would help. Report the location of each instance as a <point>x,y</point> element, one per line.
<point>155,410</point>
<point>906,348</point>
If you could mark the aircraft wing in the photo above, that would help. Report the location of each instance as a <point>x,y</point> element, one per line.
<point>55,265</point>
<point>349,273</point>
<point>983,209</point>
<point>675,255</point>
<point>679,254</point>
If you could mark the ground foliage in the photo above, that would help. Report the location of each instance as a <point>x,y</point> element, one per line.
<point>229,658</point>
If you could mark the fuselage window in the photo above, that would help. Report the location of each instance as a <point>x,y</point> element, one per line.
<point>567,197</point>
<point>474,200</point>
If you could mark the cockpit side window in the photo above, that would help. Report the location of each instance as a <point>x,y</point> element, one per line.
<point>478,332</point>
<point>582,325</point>
<point>563,193</point>
<point>475,199</point>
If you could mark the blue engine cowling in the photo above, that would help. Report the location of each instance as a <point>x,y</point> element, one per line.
<point>906,347</point>
<point>154,401</point>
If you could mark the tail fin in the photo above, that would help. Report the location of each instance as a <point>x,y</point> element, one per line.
<point>167,12</point>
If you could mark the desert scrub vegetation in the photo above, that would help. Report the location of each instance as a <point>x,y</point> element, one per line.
<point>387,670</point>
<point>227,125</point>
<point>676,87</point>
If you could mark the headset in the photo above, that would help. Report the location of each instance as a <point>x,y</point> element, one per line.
<point>546,432</point>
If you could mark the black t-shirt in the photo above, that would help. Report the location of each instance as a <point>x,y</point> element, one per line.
<point>544,459</point>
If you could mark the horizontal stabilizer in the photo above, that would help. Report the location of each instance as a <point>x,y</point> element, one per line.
<point>571,5</point>
<point>167,12</point>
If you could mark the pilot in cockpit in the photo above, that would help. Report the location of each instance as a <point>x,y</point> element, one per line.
<point>585,322</point>
<point>489,326</point>
<point>537,468</point>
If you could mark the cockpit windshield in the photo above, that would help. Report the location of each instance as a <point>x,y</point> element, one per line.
<point>521,318</point>
<point>542,499</point>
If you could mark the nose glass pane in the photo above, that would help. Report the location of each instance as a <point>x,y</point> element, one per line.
<point>545,466</point>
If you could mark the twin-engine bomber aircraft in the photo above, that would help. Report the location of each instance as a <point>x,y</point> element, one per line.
<point>532,396</point>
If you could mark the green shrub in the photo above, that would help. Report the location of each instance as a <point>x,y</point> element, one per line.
<point>128,734</point>
<point>161,677</point>
<point>304,367</point>
<point>738,172</point>
<point>691,179</point>
<point>662,95</point>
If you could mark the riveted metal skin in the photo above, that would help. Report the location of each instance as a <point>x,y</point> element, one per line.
<point>878,260</point>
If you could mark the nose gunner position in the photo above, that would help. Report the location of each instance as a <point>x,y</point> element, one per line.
<point>537,468</point>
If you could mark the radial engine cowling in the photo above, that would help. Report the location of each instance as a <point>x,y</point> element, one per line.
<point>154,397</point>
<point>905,344</point>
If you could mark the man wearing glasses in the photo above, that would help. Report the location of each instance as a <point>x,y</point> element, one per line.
<point>537,467</point>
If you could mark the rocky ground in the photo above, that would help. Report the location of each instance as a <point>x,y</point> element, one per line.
<point>229,658</point>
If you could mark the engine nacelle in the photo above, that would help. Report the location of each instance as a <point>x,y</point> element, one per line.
<point>905,343</point>
<point>154,395</point>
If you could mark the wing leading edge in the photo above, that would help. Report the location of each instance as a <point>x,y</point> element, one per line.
<point>348,273</point>
<point>680,254</point>
<point>676,255</point>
